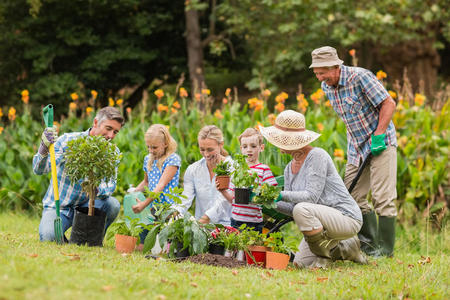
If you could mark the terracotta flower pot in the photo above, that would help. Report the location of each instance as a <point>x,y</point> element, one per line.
<point>259,255</point>
<point>276,261</point>
<point>125,243</point>
<point>224,181</point>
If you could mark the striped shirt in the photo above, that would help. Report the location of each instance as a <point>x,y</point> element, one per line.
<point>69,195</point>
<point>356,100</point>
<point>248,212</point>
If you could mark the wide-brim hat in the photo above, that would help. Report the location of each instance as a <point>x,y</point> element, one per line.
<point>289,132</point>
<point>325,57</point>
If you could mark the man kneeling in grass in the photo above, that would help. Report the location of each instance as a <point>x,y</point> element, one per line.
<point>107,123</point>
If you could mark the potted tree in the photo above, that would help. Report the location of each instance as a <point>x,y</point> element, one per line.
<point>278,257</point>
<point>126,234</point>
<point>244,180</point>
<point>223,171</point>
<point>89,160</point>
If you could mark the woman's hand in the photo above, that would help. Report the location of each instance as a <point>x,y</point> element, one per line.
<point>140,206</point>
<point>204,220</point>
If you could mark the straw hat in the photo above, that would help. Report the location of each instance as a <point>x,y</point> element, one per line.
<point>289,131</point>
<point>325,57</point>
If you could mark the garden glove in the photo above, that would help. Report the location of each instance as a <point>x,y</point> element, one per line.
<point>49,137</point>
<point>378,144</point>
<point>279,198</point>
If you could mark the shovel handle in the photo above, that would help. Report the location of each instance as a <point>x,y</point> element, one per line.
<point>48,115</point>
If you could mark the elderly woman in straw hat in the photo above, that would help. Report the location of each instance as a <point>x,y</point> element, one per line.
<point>315,195</point>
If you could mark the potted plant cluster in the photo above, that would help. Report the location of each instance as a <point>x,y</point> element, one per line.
<point>225,241</point>
<point>254,246</point>
<point>126,234</point>
<point>278,257</point>
<point>89,160</point>
<point>244,180</point>
<point>223,171</point>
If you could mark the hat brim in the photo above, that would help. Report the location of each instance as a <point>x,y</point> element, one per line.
<point>288,140</point>
<point>326,64</point>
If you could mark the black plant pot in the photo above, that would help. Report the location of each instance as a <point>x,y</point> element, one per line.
<point>88,229</point>
<point>242,195</point>
<point>216,249</point>
<point>181,253</point>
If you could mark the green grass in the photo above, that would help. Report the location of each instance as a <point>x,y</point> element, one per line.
<point>30,269</point>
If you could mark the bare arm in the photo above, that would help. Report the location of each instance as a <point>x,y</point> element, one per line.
<point>386,112</point>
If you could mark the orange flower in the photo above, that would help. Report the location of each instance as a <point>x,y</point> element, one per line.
<point>224,100</point>
<point>74,96</point>
<point>206,92</point>
<point>128,110</point>
<point>72,106</point>
<point>89,110</point>
<point>25,99</point>
<point>198,97</point>
<point>159,93</point>
<point>328,103</point>
<point>1,129</point>
<point>1,112</point>
<point>183,93</point>
<point>320,127</point>
<point>281,97</point>
<point>25,93</point>
<point>227,92</point>
<point>393,94</point>
<point>271,118</point>
<point>279,107</point>
<point>173,110</point>
<point>317,96</point>
<point>119,102</point>
<point>162,107</point>
<point>266,93</point>
<point>339,153</point>
<point>12,113</point>
<point>256,104</point>
<point>381,75</point>
<point>94,94</point>
<point>218,114</point>
<point>419,99</point>
<point>352,52</point>
<point>176,104</point>
<point>111,101</point>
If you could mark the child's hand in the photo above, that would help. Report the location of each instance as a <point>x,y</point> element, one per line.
<point>140,206</point>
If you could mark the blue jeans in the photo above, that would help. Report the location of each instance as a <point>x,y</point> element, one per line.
<point>256,226</point>
<point>46,228</point>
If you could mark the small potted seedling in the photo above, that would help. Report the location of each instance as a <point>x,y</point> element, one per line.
<point>255,250</point>
<point>126,234</point>
<point>230,239</point>
<point>278,257</point>
<point>223,171</point>
<point>244,180</point>
<point>89,161</point>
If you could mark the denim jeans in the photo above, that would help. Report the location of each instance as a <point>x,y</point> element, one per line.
<point>256,226</point>
<point>46,228</point>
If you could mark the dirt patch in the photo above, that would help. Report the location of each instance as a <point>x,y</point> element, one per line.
<point>216,260</point>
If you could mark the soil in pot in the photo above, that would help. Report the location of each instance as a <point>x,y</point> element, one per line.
<point>125,243</point>
<point>88,229</point>
<point>259,255</point>
<point>216,249</point>
<point>224,181</point>
<point>242,195</point>
<point>276,261</point>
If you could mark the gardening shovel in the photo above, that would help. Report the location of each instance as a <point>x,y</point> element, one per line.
<point>360,170</point>
<point>48,119</point>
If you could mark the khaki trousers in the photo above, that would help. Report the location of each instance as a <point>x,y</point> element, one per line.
<point>380,177</point>
<point>309,216</point>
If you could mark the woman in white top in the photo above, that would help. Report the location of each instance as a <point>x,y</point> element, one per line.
<point>200,180</point>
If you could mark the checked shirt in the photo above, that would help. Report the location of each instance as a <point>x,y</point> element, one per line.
<point>69,195</point>
<point>356,100</point>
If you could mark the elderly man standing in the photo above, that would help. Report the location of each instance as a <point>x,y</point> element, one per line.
<point>107,123</point>
<point>366,108</point>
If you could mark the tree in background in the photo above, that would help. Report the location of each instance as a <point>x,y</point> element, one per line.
<point>56,47</point>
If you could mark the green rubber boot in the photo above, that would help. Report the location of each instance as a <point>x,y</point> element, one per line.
<point>348,250</point>
<point>368,234</point>
<point>386,234</point>
<point>320,244</point>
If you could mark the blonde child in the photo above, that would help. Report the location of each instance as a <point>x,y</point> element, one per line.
<point>251,145</point>
<point>161,167</point>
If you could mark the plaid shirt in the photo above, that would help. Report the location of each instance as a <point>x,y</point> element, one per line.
<point>356,100</point>
<point>69,195</point>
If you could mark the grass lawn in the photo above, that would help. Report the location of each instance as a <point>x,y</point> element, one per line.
<point>30,269</point>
